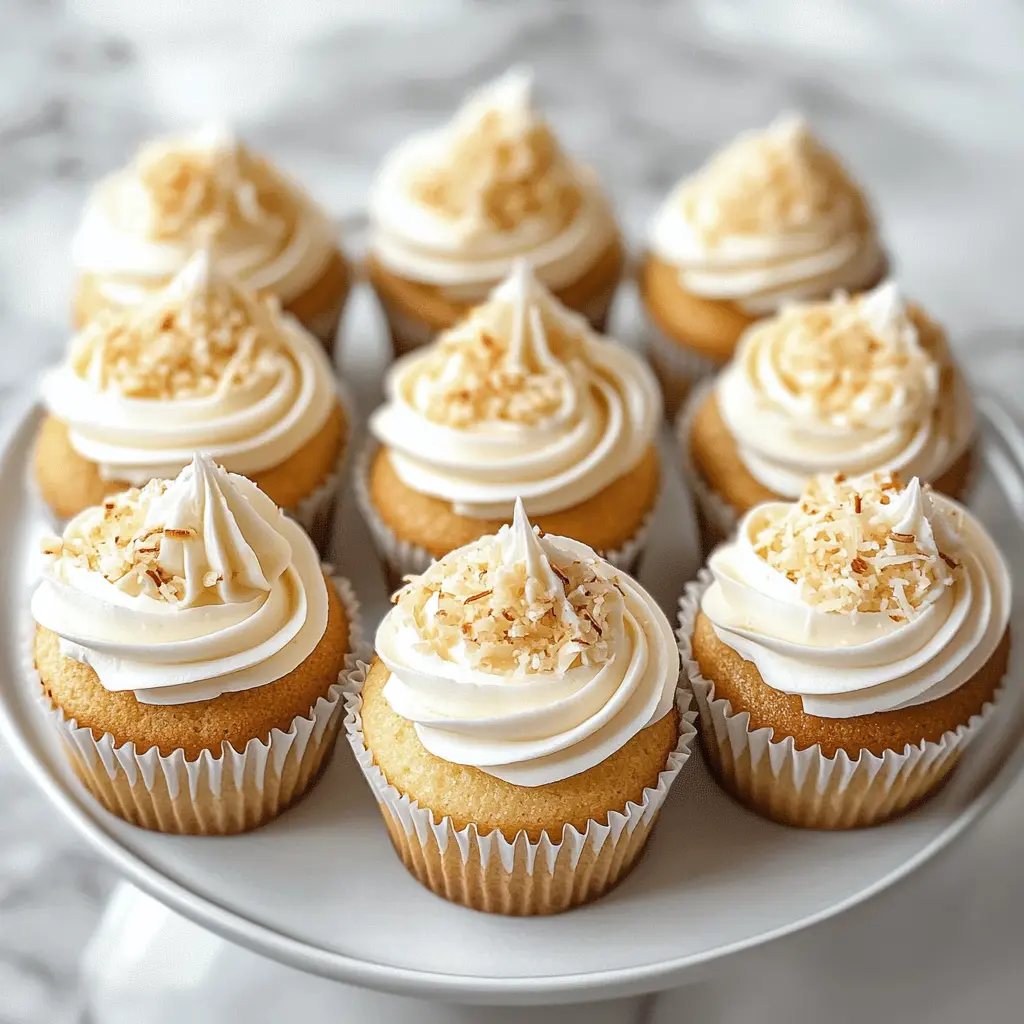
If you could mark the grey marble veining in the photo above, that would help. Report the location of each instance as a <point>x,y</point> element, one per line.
<point>923,102</point>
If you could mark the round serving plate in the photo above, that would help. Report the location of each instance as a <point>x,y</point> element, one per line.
<point>320,888</point>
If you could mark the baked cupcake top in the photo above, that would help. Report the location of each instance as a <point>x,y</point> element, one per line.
<point>521,398</point>
<point>455,206</point>
<point>185,589</point>
<point>527,656</point>
<point>851,385</point>
<point>143,223</point>
<point>864,596</point>
<point>773,216</point>
<point>202,365</point>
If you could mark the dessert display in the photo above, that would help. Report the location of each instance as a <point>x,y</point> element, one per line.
<point>520,724</point>
<point>521,398</point>
<point>452,208</point>
<point>208,191</point>
<point>188,649</point>
<point>844,649</point>
<point>202,365</point>
<point>852,385</point>
<point>773,218</point>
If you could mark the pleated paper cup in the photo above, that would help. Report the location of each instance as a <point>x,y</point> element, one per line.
<point>806,788</point>
<point>402,558</point>
<point>214,794</point>
<point>519,877</point>
<point>716,518</point>
<point>678,369</point>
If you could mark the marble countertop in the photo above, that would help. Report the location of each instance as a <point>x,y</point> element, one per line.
<point>925,106</point>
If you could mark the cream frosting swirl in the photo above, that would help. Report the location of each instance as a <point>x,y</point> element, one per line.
<point>455,206</point>
<point>203,365</point>
<point>184,590</point>
<point>527,657</point>
<point>850,385</point>
<point>772,217</point>
<point>520,399</point>
<point>143,223</point>
<point>862,598</point>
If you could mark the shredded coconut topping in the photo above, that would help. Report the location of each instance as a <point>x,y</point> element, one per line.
<point>192,346</point>
<point>778,180</point>
<point>114,540</point>
<point>503,167</point>
<point>202,191</point>
<point>475,608</point>
<point>475,374</point>
<point>840,545</point>
<point>842,362</point>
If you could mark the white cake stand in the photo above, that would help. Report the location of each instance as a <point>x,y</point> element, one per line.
<point>286,920</point>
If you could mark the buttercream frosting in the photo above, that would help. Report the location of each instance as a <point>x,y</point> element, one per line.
<point>527,656</point>
<point>845,385</point>
<point>202,365</point>
<point>863,597</point>
<point>185,589</point>
<point>520,399</point>
<point>772,217</point>
<point>455,206</point>
<point>143,223</point>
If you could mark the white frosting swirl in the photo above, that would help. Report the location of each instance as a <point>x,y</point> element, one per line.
<point>455,206</point>
<point>272,394</point>
<point>773,217</point>
<point>521,399</point>
<point>213,591</point>
<point>143,223</point>
<point>532,728</point>
<point>845,386</point>
<point>846,664</point>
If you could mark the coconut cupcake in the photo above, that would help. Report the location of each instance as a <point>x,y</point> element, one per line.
<point>846,648</point>
<point>143,223</point>
<point>520,725</point>
<point>520,399</point>
<point>772,218</point>
<point>189,648</point>
<point>202,365</point>
<point>851,386</point>
<point>452,208</point>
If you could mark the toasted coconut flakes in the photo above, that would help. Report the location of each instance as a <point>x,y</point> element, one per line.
<point>844,555</point>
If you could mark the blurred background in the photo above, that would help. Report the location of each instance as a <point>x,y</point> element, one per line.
<point>922,99</point>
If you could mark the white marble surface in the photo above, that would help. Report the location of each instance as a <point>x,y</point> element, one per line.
<point>923,100</point>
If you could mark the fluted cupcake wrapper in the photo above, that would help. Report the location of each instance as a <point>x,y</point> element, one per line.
<point>234,791</point>
<point>519,877</point>
<point>678,369</point>
<point>806,788</point>
<point>403,558</point>
<point>716,518</point>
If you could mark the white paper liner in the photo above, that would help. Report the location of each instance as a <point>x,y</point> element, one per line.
<point>716,518</point>
<point>403,558</point>
<point>805,788</point>
<point>678,369</point>
<point>521,877</point>
<point>213,794</point>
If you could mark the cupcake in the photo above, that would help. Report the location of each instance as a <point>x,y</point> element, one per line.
<point>772,218</point>
<point>201,365</point>
<point>845,649</point>
<point>189,650</point>
<point>520,725</point>
<point>519,399</point>
<point>851,385</point>
<point>452,208</point>
<point>143,223</point>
